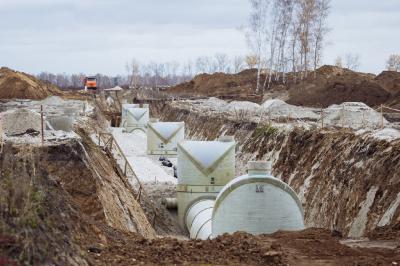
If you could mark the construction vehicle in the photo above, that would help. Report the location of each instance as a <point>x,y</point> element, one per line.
<point>90,84</point>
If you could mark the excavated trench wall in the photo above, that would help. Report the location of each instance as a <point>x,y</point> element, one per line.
<point>345,182</point>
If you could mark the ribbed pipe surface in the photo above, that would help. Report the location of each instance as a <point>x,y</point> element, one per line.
<point>198,219</point>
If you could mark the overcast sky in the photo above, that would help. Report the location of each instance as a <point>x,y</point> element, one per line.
<point>99,36</point>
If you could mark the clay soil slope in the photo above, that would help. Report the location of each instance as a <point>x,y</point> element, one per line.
<point>391,82</point>
<point>19,85</point>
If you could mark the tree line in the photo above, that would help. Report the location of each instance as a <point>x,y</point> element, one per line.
<point>154,74</point>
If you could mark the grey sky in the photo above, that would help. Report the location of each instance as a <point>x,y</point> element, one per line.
<point>94,36</point>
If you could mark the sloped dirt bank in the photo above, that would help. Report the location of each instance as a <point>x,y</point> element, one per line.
<point>19,85</point>
<point>346,182</point>
<point>56,203</point>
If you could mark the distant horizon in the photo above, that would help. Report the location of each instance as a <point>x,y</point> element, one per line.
<point>126,74</point>
<point>62,37</point>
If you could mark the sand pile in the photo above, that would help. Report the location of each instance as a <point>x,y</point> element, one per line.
<point>242,106</point>
<point>214,103</point>
<point>18,85</point>
<point>20,121</point>
<point>352,114</point>
<point>278,108</point>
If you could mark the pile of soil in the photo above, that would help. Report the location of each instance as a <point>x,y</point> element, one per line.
<point>309,247</point>
<point>391,82</point>
<point>328,85</point>
<point>19,85</point>
<point>333,85</point>
<point>239,86</point>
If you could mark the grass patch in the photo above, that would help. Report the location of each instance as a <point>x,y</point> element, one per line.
<point>265,130</point>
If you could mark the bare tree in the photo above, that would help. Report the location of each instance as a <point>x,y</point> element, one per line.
<point>187,70</point>
<point>281,13</point>
<point>294,40</point>
<point>203,65</point>
<point>273,24</point>
<point>251,61</point>
<point>320,30</point>
<point>238,64</point>
<point>339,61</point>
<point>307,14</point>
<point>133,68</point>
<point>286,7</point>
<point>393,63</point>
<point>257,33</point>
<point>221,63</point>
<point>352,61</point>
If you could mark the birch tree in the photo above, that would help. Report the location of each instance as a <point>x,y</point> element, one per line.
<point>257,33</point>
<point>307,14</point>
<point>352,61</point>
<point>393,63</point>
<point>133,68</point>
<point>281,14</point>
<point>320,30</point>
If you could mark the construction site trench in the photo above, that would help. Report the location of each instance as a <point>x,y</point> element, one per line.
<point>72,201</point>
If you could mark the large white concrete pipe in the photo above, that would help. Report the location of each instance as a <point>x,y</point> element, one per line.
<point>257,203</point>
<point>198,219</point>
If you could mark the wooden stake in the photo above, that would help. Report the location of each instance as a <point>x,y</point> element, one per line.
<point>41,122</point>
<point>140,192</point>
<point>342,116</point>
<point>154,219</point>
<point>322,117</point>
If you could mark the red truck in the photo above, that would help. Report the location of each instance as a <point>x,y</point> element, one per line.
<point>90,84</point>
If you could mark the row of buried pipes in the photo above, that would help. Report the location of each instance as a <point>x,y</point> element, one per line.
<point>210,200</point>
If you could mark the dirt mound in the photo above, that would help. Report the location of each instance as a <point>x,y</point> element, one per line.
<point>333,85</point>
<point>328,85</point>
<point>239,86</point>
<point>390,80</point>
<point>19,85</point>
<point>308,247</point>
